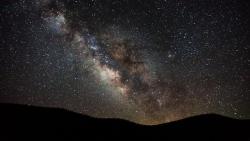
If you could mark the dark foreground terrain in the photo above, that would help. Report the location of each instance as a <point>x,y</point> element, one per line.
<point>19,122</point>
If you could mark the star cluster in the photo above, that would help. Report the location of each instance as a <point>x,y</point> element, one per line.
<point>148,62</point>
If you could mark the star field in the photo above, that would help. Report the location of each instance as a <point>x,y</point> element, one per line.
<point>148,62</point>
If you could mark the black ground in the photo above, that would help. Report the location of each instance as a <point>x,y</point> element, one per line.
<point>19,122</point>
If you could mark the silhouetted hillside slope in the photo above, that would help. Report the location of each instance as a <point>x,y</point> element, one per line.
<point>18,122</point>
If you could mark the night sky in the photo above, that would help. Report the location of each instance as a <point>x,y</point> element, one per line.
<point>146,61</point>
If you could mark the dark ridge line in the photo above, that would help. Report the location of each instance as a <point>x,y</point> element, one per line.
<point>24,122</point>
<point>26,107</point>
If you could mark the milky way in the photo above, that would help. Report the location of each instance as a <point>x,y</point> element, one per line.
<point>148,62</point>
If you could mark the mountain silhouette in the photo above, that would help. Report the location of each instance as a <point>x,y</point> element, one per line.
<point>22,122</point>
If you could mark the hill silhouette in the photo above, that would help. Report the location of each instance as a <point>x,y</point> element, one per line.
<point>22,122</point>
